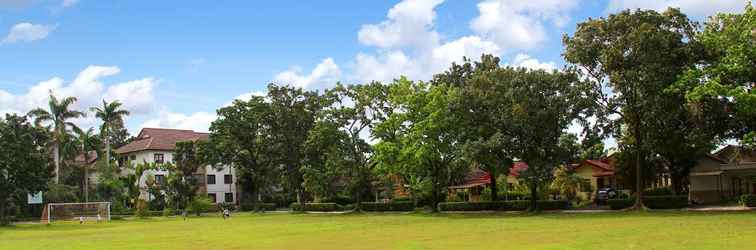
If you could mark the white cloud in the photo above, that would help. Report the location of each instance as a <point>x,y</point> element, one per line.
<point>69,3</point>
<point>525,61</point>
<point>199,121</point>
<point>698,8</point>
<point>409,23</point>
<point>519,24</point>
<point>470,46</point>
<point>137,96</point>
<point>246,96</point>
<point>27,32</point>
<point>325,74</point>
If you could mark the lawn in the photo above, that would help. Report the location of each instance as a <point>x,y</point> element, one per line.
<point>396,231</point>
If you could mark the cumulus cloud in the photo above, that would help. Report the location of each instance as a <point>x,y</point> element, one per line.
<point>409,23</point>
<point>519,24</point>
<point>696,8</point>
<point>137,95</point>
<point>525,61</point>
<point>247,96</point>
<point>325,74</point>
<point>199,121</point>
<point>28,32</point>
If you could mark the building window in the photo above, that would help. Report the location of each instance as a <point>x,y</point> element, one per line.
<point>228,179</point>
<point>159,158</point>
<point>160,179</point>
<point>210,179</point>
<point>229,197</point>
<point>212,198</point>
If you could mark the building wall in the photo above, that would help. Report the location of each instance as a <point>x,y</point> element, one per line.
<point>220,188</point>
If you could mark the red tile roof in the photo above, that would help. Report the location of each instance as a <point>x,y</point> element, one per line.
<point>601,168</point>
<point>160,139</point>
<point>91,157</point>
<point>518,167</point>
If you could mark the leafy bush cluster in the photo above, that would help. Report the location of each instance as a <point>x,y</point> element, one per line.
<point>660,191</point>
<point>317,207</point>
<point>260,206</point>
<point>617,204</point>
<point>501,205</point>
<point>748,200</point>
<point>389,206</point>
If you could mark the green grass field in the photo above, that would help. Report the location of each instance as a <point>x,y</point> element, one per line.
<point>396,231</point>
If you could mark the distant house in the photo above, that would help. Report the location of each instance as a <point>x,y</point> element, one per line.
<point>601,173</point>
<point>476,180</point>
<point>727,173</point>
<point>89,162</point>
<point>156,145</point>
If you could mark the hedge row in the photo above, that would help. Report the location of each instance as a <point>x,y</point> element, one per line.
<point>317,207</point>
<point>748,200</point>
<point>261,206</point>
<point>653,202</point>
<point>501,205</point>
<point>390,206</point>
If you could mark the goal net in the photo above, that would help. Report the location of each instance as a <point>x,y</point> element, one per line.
<point>76,211</point>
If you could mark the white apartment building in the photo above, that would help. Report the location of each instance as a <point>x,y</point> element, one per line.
<point>156,145</point>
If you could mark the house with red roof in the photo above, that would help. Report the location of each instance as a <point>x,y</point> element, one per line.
<point>157,145</point>
<point>476,180</point>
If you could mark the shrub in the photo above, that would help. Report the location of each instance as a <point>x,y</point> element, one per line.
<point>660,191</point>
<point>390,206</point>
<point>142,208</point>
<point>665,202</point>
<point>520,205</point>
<point>247,206</point>
<point>319,207</point>
<point>200,204</point>
<point>169,212</point>
<point>341,200</point>
<point>620,203</point>
<point>748,200</point>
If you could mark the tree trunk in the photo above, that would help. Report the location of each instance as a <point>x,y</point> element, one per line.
<point>3,200</point>
<point>86,184</point>
<point>533,196</point>
<point>494,188</point>
<point>56,158</point>
<point>107,150</point>
<point>301,198</point>
<point>434,194</point>
<point>638,170</point>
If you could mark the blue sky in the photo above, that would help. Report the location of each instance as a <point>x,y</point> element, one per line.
<point>174,62</point>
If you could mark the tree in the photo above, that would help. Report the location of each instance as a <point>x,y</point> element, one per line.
<point>188,159</point>
<point>292,116</point>
<point>89,142</point>
<point>112,123</point>
<point>568,182</point>
<point>59,114</point>
<point>349,113</point>
<point>726,72</point>
<point>637,54</point>
<point>422,134</point>
<point>241,137</point>
<point>24,160</point>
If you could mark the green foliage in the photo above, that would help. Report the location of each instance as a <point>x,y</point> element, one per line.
<point>567,182</point>
<point>112,129</point>
<point>617,204</point>
<point>258,206</point>
<point>387,206</point>
<point>660,191</point>
<point>748,200</point>
<point>60,193</point>
<point>521,205</point>
<point>24,165</point>
<point>200,204</point>
<point>665,202</point>
<point>318,207</point>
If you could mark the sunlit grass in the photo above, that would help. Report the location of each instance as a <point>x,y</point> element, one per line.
<point>400,231</point>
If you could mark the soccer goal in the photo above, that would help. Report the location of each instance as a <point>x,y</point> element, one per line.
<point>99,211</point>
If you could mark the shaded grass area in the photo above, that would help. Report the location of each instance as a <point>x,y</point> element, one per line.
<point>658,230</point>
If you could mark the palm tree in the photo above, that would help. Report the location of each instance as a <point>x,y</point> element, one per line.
<point>58,115</point>
<point>568,182</point>
<point>88,142</point>
<point>112,117</point>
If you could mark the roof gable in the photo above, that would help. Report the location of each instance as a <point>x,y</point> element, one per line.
<point>160,139</point>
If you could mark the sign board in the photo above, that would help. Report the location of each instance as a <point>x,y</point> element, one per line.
<point>34,199</point>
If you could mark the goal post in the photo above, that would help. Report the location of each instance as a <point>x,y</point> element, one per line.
<point>76,211</point>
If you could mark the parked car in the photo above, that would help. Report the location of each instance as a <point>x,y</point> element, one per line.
<point>604,194</point>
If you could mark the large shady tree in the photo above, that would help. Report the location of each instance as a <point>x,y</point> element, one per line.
<point>630,58</point>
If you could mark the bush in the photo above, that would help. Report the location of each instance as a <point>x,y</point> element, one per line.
<point>665,202</point>
<point>142,208</point>
<point>748,200</point>
<point>341,200</point>
<point>247,206</point>
<point>520,205</point>
<point>200,204</point>
<point>661,191</point>
<point>390,206</point>
<point>169,212</point>
<point>620,203</point>
<point>318,207</point>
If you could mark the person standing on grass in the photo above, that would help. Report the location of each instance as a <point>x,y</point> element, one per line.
<point>226,213</point>
<point>99,218</point>
<point>81,220</point>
